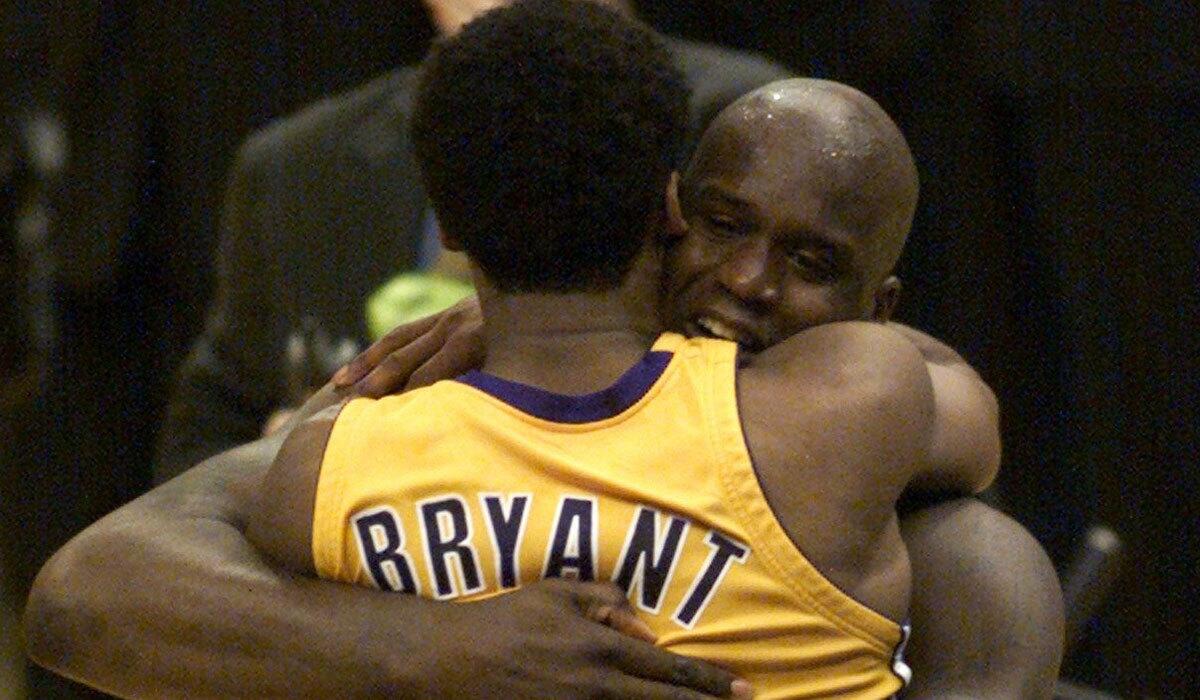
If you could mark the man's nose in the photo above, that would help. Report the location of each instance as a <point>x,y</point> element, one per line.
<point>750,272</point>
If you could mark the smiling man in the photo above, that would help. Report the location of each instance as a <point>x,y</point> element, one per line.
<point>797,203</point>
<point>792,214</point>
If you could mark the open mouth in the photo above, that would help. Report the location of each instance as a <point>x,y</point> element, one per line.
<point>712,328</point>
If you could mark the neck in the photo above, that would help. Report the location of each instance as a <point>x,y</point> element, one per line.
<point>565,343</point>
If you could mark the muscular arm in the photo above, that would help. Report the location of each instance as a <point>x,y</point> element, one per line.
<point>280,522</point>
<point>165,597</point>
<point>987,612</point>
<point>902,422</point>
<point>966,437</point>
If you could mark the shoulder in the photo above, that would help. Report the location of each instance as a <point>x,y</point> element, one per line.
<point>326,124</point>
<point>281,518</point>
<point>852,398</point>
<point>853,359</point>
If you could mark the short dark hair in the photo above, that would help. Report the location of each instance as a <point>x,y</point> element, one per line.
<point>545,131</point>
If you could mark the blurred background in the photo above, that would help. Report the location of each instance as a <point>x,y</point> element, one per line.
<point>1056,246</point>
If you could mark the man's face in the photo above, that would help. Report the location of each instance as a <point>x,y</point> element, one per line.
<point>774,243</point>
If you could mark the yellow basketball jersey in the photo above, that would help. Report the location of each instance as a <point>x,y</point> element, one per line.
<point>478,485</point>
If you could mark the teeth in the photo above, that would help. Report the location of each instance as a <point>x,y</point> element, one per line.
<point>718,329</point>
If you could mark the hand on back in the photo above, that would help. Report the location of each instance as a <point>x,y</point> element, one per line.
<point>557,638</point>
<point>441,346</point>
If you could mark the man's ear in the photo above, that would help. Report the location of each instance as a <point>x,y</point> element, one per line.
<point>886,298</point>
<point>676,225</point>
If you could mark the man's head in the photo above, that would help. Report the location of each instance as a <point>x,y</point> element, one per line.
<point>546,132</point>
<point>792,213</point>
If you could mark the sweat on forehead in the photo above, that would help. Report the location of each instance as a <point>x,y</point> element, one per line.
<point>833,121</point>
<point>821,140</point>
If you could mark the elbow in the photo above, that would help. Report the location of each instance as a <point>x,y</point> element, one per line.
<point>61,614</point>
<point>965,439</point>
<point>50,614</point>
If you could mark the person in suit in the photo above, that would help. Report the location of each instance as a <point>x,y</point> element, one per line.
<point>324,206</point>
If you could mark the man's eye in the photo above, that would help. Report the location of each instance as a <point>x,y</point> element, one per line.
<point>812,265</point>
<point>724,224</point>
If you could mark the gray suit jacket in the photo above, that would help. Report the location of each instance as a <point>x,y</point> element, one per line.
<point>321,208</point>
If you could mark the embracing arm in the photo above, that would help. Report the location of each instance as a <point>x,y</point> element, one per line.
<point>966,429</point>
<point>165,597</point>
<point>987,610</point>
<point>280,522</point>
<point>904,422</point>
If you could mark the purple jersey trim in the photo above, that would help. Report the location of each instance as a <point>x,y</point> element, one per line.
<point>588,408</point>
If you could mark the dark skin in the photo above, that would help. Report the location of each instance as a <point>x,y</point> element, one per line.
<point>834,441</point>
<point>792,215</point>
<point>797,207</point>
<point>249,628</point>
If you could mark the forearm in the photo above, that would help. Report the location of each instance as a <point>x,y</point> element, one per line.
<point>986,612</point>
<point>165,598</point>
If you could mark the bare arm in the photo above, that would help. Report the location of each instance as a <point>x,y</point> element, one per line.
<point>165,597</point>
<point>920,421</point>
<point>280,522</point>
<point>962,452</point>
<point>987,610</point>
<point>966,437</point>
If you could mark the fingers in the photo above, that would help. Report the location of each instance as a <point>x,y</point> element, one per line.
<point>628,650</point>
<point>642,660</point>
<point>393,372</point>
<point>460,353</point>
<point>630,687</point>
<point>450,342</point>
<point>623,621</point>
<point>370,358</point>
<point>604,603</point>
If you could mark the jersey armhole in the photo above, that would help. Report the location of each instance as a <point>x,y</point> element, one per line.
<point>329,528</point>
<point>747,501</point>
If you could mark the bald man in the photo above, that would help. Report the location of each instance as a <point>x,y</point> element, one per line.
<point>807,189</point>
<point>798,204</point>
<point>749,261</point>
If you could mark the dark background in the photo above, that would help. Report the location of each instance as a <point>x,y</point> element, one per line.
<point>1056,243</point>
